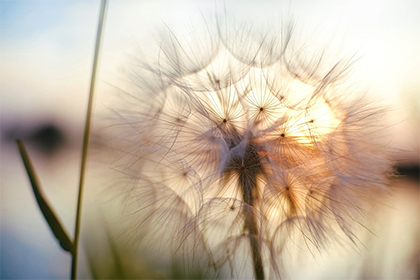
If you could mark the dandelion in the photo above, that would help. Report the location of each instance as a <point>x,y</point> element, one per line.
<point>239,144</point>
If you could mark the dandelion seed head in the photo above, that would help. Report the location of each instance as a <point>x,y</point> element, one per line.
<point>246,137</point>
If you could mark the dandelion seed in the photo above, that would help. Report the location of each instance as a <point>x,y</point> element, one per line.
<point>235,154</point>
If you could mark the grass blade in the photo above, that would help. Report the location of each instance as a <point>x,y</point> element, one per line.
<point>46,209</point>
<point>86,138</point>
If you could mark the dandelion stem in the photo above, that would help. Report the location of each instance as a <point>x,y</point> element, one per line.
<point>86,140</point>
<point>248,170</point>
<point>249,185</point>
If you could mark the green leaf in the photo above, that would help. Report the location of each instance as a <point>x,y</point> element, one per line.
<point>46,209</point>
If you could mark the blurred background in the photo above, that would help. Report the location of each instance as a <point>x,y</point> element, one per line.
<point>46,56</point>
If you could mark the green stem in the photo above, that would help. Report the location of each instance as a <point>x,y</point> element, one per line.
<point>86,140</point>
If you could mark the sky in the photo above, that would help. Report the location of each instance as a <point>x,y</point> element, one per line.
<point>47,46</point>
<point>46,54</point>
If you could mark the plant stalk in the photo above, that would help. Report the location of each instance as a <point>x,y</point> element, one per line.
<point>249,167</point>
<point>86,139</point>
<point>249,185</point>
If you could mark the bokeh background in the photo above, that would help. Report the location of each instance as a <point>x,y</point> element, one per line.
<point>46,56</point>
